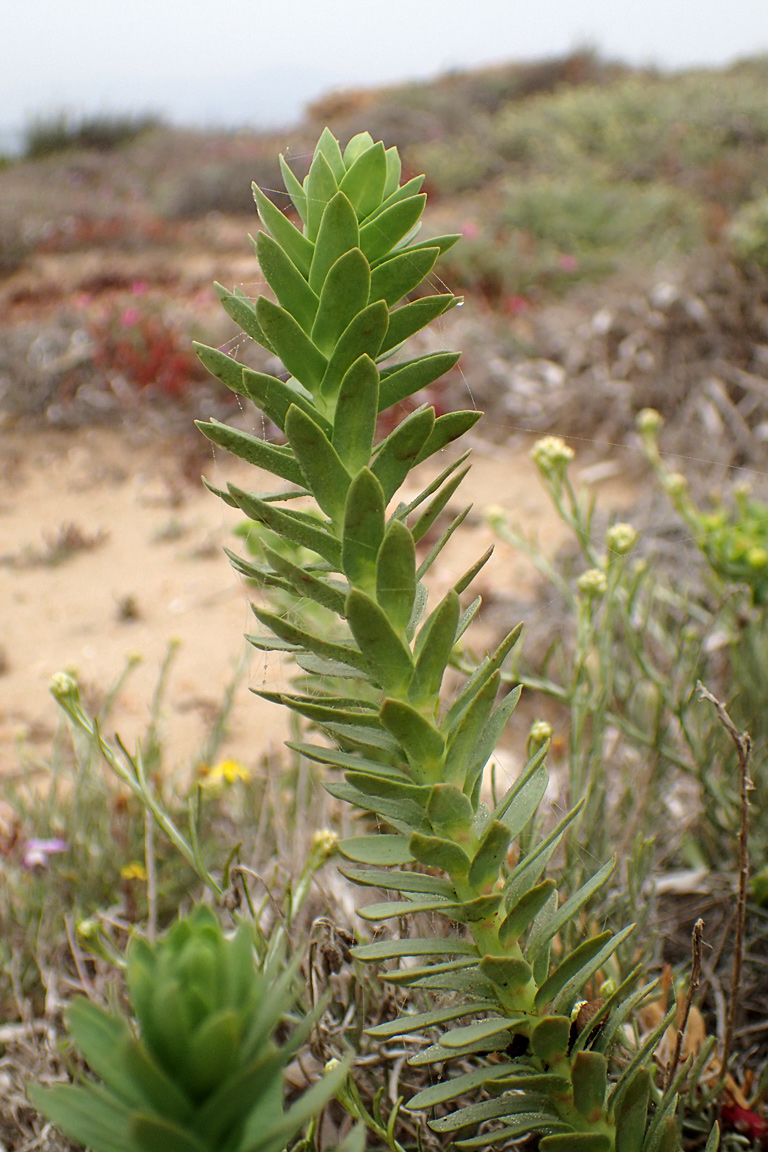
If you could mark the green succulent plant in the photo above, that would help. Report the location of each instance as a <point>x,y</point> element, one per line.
<point>415,761</point>
<point>200,1071</point>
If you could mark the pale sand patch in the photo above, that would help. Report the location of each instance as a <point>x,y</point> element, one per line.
<point>163,552</point>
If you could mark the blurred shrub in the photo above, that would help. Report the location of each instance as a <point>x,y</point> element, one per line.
<point>748,232</point>
<point>548,234</point>
<point>221,186</point>
<point>707,132</point>
<point>455,104</point>
<point>138,344</point>
<point>47,136</point>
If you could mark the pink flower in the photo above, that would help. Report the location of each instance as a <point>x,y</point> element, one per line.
<point>36,852</point>
<point>130,317</point>
<point>470,230</point>
<point>139,288</point>
<point>568,263</point>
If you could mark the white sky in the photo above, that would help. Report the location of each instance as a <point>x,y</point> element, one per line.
<point>233,62</point>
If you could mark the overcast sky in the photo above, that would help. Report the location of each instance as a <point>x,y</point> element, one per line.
<point>234,62</point>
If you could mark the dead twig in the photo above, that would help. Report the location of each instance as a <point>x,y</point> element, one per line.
<point>743,744</point>
<point>697,938</point>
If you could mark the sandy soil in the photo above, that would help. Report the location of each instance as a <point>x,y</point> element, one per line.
<point>107,551</point>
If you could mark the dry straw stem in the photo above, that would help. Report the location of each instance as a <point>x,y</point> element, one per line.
<point>743,743</point>
<point>697,937</point>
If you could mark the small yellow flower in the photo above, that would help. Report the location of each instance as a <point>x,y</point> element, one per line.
<point>621,538</point>
<point>757,557</point>
<point>223,774</point>
<point>325,842</point>
<point>649,420</point>
<point>551,454</point>
<point>133,871</point>
<point>592,584</point>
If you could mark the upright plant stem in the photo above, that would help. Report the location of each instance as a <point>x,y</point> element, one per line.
<point>743,743</point>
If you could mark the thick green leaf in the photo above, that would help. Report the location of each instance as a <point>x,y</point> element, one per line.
<point>329,146</point>
<point>397,454</point>
<point>518,807</point>
<point>240,309</point>
<point>396,574</point>
<point>362,337</point>
<point>528,870</point>
<point>101,1037</point>
<point>515,1104</point>
<point>338,233</point>
<point>159,1090</point>
<point>363,530</point>
<point>320,187</point>
<point>506,972</point>
<point>433,649</point>
<point>400,881</point>
<point>418,946</point>
<point>570,976</point>
<point>274,397</point>
<point>713,1143</point>
<point>577,1142</point>
<point>403,814</point>
<point>394,171</point>
<point>295,244</point>
<point>524,912</point>
<point>289,524</point>
<point>589,1077</point>
<point>83,1115</point>
<point>567,912</point>
<point>156,1134</point>
<point>380,235</point>
<point>527,1122</point>
<point>403,192</point>
<point>222,366</point>
<point>307,1106</point>
<point>291,343</point>
<point>550,1038</point>
<point>402,380</point>
<point>449,810</point>
<point>327,711</point>
<point>437,852</point>
<point>479,678</point>
<point>632,1111</point>
<point>395,278</point>
<point>435,1053</point>
<point>359,144</point>
<point>294,188</point>
<point>447,429</point>
<point>465,736</point>
<point>292,290</point>
<point>387,658</point>
<point>456,1086</point>
<point>364,181</point>
<point>326,476</point>
<point>422,743</point>
<point>405,321</point>
<point>490,855</point>
<point>354,422</point>
<point>406,1024</point>
<point>405,510</point>
<point>494,1026</point>
<point>344,295</point>
<point>490,736</point>
<point>444,243</point>
<point>284,630</point>
<point>375,785</point>
<point>435,507</point>
<point>305,583</point>
<point>432,555</point>
<point>254,450</point>
<point>381,849</point>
